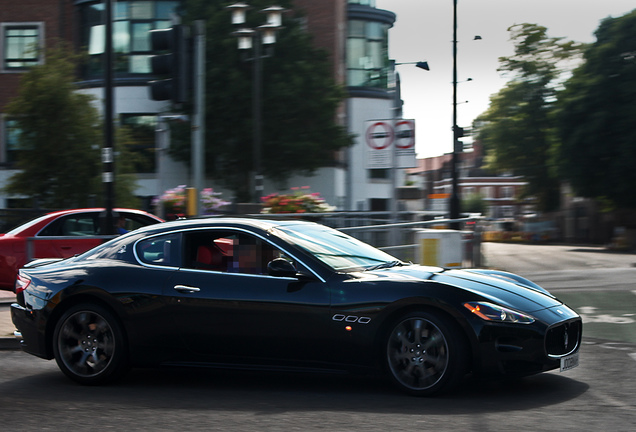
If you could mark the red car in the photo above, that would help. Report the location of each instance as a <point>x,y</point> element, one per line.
<point>60,234</point>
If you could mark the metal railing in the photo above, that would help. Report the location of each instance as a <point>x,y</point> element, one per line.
<point>396,238</point>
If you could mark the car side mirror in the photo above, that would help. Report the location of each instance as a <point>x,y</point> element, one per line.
<point>281,267</point>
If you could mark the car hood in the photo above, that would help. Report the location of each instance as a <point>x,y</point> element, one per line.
<point>505,289</point>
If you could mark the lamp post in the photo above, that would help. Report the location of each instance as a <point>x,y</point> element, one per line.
<point>397,111</point>
<point>457,131</point>
<point>254,39</point>
<point>454,199</point>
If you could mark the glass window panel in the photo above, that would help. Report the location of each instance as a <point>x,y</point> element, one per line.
<point>356,28</point>
<point>139,64</point>
<point>374,30</point>
<point>141,9</point>
<point>12,140</point>
<point>355,51</point>
<point>142,130</point>
<point>121,37</point>
<point>356,77</point>
<point>122,10</point>
<point>162,24</point>
<point>141,37</point>
<point>20,46</point>
<point>165,9</point>
<point>97,41</point>
<point>375,54</point>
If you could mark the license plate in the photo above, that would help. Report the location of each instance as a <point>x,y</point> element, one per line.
<point>569,362</point>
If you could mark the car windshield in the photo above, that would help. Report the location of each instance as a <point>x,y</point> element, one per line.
<point>336,249</point>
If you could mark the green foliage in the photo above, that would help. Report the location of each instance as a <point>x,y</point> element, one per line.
<point>299,98</point>
<point>59,137</point>
<point>474,204</point>
<point>596,136</point>
<point>518,127</point>
<point>60,140</point>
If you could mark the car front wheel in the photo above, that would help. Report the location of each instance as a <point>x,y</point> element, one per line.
<point>425,354</point>
<point>89,345</point>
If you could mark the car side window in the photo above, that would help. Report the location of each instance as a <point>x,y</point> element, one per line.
<point>72,226</point>
<point>228,251</point>
<point>127,222</point>
<point>162,250</point>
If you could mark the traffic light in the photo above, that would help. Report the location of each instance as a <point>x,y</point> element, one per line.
<point>458,131</point>
<point>172,63</point>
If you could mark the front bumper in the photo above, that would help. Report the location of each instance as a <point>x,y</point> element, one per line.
<point>520,350</point>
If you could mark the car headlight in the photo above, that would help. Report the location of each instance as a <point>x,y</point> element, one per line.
<point>493,312</point>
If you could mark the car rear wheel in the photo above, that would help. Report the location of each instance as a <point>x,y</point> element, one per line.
<point>425,353</point>
<point>89,345</point>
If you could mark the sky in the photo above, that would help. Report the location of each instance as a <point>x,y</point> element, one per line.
<point>423,31</point>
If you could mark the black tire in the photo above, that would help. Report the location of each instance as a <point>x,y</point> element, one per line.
<point>425,353</point>
<point>89,345</point>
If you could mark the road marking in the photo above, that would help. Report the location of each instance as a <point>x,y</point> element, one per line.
<point>588,314</point>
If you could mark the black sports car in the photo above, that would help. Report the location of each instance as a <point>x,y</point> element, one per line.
<point>235,292</point>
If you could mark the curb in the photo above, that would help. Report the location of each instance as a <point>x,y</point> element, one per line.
<point>9,344</point>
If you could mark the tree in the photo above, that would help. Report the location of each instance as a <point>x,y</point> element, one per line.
<point>60,138</point>
<point>518,126</point>
<point>474,203</point>
<point>299,97</point>
<point>59,135</point>
<point>596,147</point>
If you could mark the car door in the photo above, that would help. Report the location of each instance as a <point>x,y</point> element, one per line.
<point>230,306</point>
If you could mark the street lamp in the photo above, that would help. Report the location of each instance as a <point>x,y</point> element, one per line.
<point>457,131</point>
<point>254,39</point>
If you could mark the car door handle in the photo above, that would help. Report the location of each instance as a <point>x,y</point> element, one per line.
<point>186,289</point>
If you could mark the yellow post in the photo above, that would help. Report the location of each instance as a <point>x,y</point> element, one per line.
<point>429,252</point>
<point>191,202</point>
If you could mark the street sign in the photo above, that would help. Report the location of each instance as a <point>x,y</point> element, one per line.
<point>405,143</point>
<point>386,136</point>
<point>379,139</point>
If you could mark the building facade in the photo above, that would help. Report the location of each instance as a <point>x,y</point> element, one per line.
<point>353,32</point>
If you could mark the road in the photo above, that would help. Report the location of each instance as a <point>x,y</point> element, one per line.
<point>597,283</point>
<point>598,395</point>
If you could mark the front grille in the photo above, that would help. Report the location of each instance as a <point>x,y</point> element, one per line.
<point>563,338</point>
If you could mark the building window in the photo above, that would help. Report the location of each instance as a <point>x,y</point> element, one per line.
<point>367,54</point>
<point>486,192</point>
<point>379,174</point>
<point>141,129</point>
<point>22,45</point>
<point>132,20</point>
<point>507,192</point>
<point>10,138</point>
<point>507,211</point>
<point>363,2</point>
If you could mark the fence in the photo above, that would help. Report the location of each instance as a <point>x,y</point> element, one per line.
<point>375,228</point>
<point>398,238</point>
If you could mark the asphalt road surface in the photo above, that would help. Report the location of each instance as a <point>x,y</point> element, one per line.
<point>596,396</point>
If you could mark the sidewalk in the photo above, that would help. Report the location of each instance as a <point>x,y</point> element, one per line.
<point>7,341</point>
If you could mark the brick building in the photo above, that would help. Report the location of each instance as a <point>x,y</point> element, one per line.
<point>353,32</point>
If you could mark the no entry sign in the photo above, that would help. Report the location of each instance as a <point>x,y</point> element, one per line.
<point>379,134</point>
<point>384,137</point>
